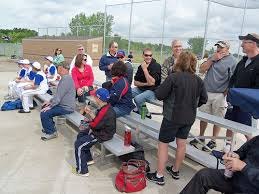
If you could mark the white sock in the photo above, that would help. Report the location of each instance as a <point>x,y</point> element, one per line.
<point>159,176</point>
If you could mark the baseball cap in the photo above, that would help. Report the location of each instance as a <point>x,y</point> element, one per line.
<point>23,61</point>
<point>222,43</point>
<point>102,94</point>
<point>50,58</point>
<point>252,36</point>
<point>120,53</point>
<point>36,65</point>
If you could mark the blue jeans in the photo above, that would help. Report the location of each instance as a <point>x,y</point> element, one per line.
<point>120,112</point>
<point>83,144</point>
<point>141,97</point>
<point>47,118</point>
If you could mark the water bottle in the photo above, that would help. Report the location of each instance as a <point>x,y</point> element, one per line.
<point>143,111</point>
<point>127,136</point>
<point>227,173</point>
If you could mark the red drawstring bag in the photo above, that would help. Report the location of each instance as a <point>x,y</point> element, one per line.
<point>131,177</point>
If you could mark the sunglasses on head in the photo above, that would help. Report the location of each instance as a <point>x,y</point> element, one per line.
<point>146,55</point>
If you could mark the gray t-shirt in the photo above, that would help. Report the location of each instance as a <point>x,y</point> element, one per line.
<point>218,75</point>
<point>65,94</point>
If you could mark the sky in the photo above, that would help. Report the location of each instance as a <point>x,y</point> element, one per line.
<point>184,18</point>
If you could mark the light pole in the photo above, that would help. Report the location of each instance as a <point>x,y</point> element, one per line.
<point>205,31</point>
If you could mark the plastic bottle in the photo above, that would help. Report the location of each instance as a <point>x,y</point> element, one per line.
<point>227,173</point>
<point>143,111</point>
<point>127,136</point>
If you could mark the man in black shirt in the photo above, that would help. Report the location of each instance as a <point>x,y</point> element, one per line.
<point>246,75</point>
<point>245,165</point>
<point>146,79</point>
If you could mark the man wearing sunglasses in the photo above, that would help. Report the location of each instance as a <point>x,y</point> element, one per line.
<point>218,68</point>
<point>146,80</point>
<point>80,50</point>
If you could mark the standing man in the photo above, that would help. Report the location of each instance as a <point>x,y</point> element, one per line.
<point>121,57</point>
<point>219,68</point>
<point>246,75</point>
<point>62,103</point>
<point>108,59</point>
<point>146,80</point>
<point>167,66</point>
<point>80,50</point>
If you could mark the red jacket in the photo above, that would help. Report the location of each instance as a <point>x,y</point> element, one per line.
<point>85,78</point>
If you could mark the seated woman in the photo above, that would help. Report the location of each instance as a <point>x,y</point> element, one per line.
<point>58,57</point>
<point>83,77</point>
<point>120,90</point>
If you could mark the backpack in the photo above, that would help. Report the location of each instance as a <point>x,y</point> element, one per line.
<point>12,105</point>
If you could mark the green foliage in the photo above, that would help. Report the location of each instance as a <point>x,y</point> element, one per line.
<point>91,26</point>
<point>17,34</point>
<point>196,44</point>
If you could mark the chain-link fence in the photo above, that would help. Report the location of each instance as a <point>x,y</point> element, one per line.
<point>13,50</point>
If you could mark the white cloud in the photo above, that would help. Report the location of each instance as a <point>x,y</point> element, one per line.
<point>184,18</point>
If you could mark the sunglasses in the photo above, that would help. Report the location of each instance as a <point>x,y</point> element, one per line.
<point>80,49</point>
<point>146,55</point>
<point>84,59</point>
<point>120,57</point>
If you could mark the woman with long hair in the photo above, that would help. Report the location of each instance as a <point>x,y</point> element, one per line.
<point>182,92</point>
<point>58,57</point>
<point>83,77</point>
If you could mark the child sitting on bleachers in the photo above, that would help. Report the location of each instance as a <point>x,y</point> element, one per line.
<point>51,71</point>
<point>101,127</point>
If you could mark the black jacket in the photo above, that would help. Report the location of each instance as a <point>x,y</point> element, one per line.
<point>154,70</point>
<point>104,124</point>
<point>182,93</point>
<point>247,180</point>
<point>246,77</point>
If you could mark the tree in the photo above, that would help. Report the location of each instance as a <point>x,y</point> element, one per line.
<point>196,44</point>
<point>82,25</point>
<point>16,35</point>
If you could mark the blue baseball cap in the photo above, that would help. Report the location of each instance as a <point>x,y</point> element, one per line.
<point>103,94</point>
<point>120,53</point>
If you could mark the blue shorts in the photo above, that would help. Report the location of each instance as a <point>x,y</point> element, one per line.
<point>237,115</point>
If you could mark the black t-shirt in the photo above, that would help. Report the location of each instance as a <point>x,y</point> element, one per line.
<point>154,70</point>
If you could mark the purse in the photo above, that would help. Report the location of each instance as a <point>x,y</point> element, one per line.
<point>131,177</point>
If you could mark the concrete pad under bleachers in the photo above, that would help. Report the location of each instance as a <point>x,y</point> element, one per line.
<point>29,165</point>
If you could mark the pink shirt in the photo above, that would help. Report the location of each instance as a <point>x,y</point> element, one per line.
<point>85,78</point>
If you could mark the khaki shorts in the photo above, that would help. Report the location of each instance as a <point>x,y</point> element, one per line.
<point>216,104</point>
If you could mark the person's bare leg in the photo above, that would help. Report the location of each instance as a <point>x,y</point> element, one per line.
<point>162,154</point>
<point>203,126</point>
<point>180,153</point>
<point>216,130</point>
<point>229,135</point>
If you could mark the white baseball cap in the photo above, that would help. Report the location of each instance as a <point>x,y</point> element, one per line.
<point>36,65</point>
<point>23,61</point>
<point>50,58</point>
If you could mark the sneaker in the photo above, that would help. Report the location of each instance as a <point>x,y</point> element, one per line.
<point>8,97</point>
<point>46,137</point>
<point>135,111</point>
<point>91,162</point>
<point>22,111</point>
<point>148,116</point>
<point>153,178</point>
<point>195,142</point>
<point>79,174</point>
<point>211,144</point>
<point>175,175</point>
